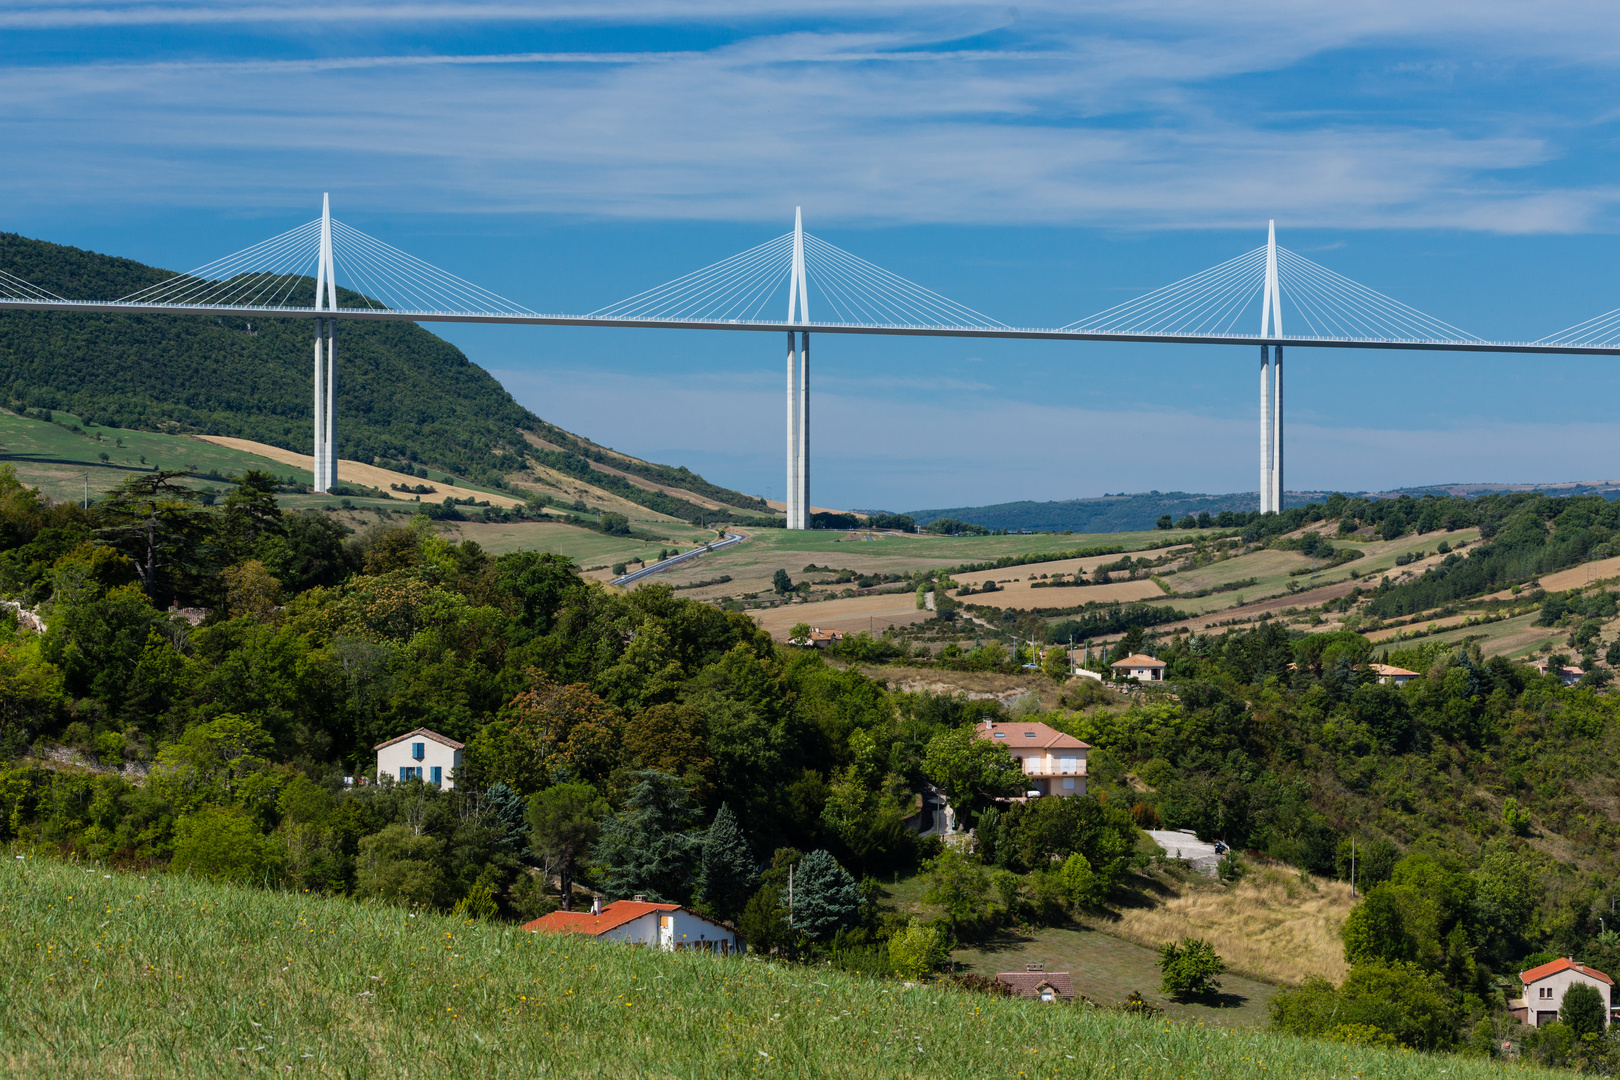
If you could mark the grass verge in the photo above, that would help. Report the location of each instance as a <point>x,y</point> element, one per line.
<point>113,974</point>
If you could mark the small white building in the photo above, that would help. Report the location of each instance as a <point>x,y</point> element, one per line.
<point>422,755</point>
<point>669,927</point>
<point>1544,989</point>
<point>1139,667</point>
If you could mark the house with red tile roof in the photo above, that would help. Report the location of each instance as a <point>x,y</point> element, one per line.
<point>1040,985</point>
<point>422,755</point>
<point>1053,763</point>
<point>1544,989</point>
<point>669,927</point>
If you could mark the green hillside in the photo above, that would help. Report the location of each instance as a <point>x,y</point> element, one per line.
<point>404,394</point>
<point>132,974</point>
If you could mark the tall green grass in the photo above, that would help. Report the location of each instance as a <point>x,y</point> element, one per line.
<point>111,974</point>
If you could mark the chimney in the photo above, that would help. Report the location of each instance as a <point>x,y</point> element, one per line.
<point>640,898</point>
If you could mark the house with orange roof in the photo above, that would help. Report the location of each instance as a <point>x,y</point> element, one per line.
<point>1545,986</point>
<point>421,755</point>
<point>1389,673</point>
<point>1569,676</point>
<point>669,927</point>
<point>1053,763</point>
<point>1139,667</point>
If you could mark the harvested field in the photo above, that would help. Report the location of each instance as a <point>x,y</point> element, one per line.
<point>752,565</point>
<point>1271,925</point>
<point>640,482</point>
<point>1513,638</point>
<point>851,614</point>
<point>1026,572</point>
<point>1018,594</point>
<point>357,471</point>
<point>1573,578</point>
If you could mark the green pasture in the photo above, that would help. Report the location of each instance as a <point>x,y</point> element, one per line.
<point>1107,969</point>
<point>585,547</point>
<point>110,973</point>
<point>56,459</point>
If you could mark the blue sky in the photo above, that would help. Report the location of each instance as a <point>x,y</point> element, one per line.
<point>1038,163</point>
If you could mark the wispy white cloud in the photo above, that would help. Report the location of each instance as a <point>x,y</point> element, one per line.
<point>1104,113</point>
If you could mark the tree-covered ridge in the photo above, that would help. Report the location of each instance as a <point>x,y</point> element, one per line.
<point>404,393</point>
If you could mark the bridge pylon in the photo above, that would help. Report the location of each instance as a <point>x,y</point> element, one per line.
<point>1271,384</point>
<point>325,365</point>
<point>798,386</point>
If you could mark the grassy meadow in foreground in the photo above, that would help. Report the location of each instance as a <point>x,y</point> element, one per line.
<point>113,973</point>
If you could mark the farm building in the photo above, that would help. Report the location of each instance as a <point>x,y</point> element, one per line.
<point>422,755</point>
<point>669,927</point>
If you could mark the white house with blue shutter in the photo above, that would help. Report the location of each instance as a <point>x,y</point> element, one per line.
<point>421,755</point>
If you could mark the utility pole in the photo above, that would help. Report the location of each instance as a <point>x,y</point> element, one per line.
<point>1352,867</point>
<point>87,491</point>
<point>790,896</point>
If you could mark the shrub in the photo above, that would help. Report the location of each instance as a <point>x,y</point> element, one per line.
<point>918,949</point>
<point>479,903</point>
<point>1190,967</point>
<point>1515,818</point>
<point>1079,884</point>
<point>399,865</point>
<point>220,844</point>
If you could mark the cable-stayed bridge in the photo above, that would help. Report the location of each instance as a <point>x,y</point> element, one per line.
<point>772,288</point>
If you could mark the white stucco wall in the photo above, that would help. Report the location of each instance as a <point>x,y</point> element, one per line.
<point>1047,766</point>
<point>390,759</point>
<point>689,931</point>
<point>1558,982</point>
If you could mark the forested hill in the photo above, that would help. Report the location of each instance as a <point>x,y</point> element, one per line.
<point>1141,510</point>
<point>1110,513</point>
<point>404,393</point>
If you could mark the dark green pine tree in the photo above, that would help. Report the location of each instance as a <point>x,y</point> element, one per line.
<point>649,848</point>
<point>729,871</point>
<point>508,816</point>
<point>825,897</point>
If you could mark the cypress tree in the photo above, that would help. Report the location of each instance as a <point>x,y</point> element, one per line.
<point>729,871</point>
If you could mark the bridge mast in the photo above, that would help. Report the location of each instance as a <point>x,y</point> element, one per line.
<point>329,274</point>
<point>1271,416</point>
<point>798,408</point>
<point>325,342</point>
<point>1274,293</point>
